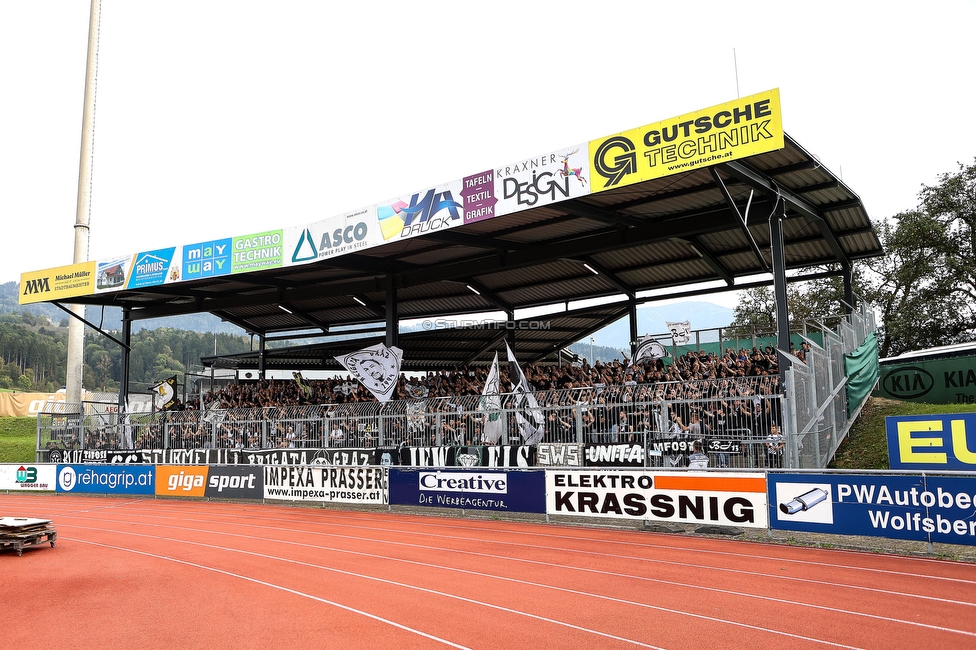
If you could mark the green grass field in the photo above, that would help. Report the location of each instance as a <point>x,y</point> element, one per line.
<point>18,439</point>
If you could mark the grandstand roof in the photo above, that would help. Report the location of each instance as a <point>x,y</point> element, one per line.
<point>672,233</point>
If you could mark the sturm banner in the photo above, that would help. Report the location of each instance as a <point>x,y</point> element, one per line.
<point>683,497</point>
<point>364,485</point>
<point>475,489</point>
<point>924,508</point>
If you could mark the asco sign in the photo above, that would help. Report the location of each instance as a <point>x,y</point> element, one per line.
<point>932,441</point>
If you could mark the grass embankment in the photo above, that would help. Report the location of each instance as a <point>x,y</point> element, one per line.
<point>18,439</point>
<point>866,446</point>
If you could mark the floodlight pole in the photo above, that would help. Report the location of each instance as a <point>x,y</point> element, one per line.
<point>76,328</point>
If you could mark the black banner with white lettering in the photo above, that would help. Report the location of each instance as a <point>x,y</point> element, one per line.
<point>559,454</point>
<point>622,455</point>
<point>235,482</point>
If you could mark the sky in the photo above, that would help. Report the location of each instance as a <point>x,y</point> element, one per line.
<point>220,118</point>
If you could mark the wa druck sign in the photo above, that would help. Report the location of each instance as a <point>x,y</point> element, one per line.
<point>924,508</point>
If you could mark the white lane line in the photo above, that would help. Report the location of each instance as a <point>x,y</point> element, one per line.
<point>505,579</point>
<point>760,574</point>
<point>279,587</point>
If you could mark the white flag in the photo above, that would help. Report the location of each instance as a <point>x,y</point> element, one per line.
<point>527,412</point>
<point>680,332</point>
<point>649,348</point>
<point>376,367</point>
<point>491,405</point>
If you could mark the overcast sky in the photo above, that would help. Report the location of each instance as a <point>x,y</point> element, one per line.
<point>220,118</point>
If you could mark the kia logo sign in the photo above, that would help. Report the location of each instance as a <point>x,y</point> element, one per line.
<point>908,382</point>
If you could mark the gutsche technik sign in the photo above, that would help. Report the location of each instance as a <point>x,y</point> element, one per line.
<point>729,131</point>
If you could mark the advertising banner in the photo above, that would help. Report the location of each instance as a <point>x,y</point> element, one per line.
<point>367,485</point>
<point>436,209</point>
<point>331,237</point>
<point>311,456</point>
<point>27,477</point>
<point>59,282</point>
<point>207,259</point>
<point>924,508</point>
<point>918,442</point>
<point>555,176</point>
<point>235,482</point>
<point>511,491</point>
<point>682,497</point>
<point>262,250</point>
<point>936,381</point>
<point>152,268</point>
<point>181,480</point>
<point>744,127</point>
<point>478,196</point>
<point>112,274</point>
<point>106,479</point>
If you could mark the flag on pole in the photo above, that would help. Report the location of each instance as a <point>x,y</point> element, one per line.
<point>491,405</point>
<point>376,367</point>
<point>302,384</point>
<point>649,349</point>
<point>680,332</point>
<point>527,412</point>
<point>164,394</point>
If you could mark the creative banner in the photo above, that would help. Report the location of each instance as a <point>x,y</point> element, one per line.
<point>744,127</point>
<point>918,442</point>
<point>924,508</point>
<point>28,477</point>
<point>57,283</point>
<point>106,479</point>
<point>685,497</point>
<point>327,484</point>
<point>511,491</point>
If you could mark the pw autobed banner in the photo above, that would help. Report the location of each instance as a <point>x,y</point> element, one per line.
<point>924,508</point>
<point>483,489</point>
<point>682,497</point>
<point>369,485</point>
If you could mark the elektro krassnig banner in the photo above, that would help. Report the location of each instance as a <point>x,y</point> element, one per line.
<point>744,127</point>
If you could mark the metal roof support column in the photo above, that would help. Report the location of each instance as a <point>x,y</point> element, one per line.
<point>126,351</point>
<point>848,275</point>
<point>392,315</point>
<point>510,327</point>
<point>261,357</point>
<point>779,286</point>
<point>632,308</point>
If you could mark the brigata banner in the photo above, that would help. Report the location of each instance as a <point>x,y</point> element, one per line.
<point>28,476</point>
<point>482,489</point>
<point>329,484</point>
<point>106,479</point>
<point>917,442</point>
<point>924,508</point>
<point>685,497</point>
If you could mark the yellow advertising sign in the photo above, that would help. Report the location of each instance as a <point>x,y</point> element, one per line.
<point>57,283</point>
<point>744,127</point>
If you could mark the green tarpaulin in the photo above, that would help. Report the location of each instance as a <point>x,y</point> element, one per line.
<point>862,372</point>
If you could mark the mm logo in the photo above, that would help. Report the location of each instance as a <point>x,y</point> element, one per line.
<point>39,285</point>
<point>909,382</point>
<point>26,474</point>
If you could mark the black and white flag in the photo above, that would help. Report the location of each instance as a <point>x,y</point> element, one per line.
<point>164,394</point>
<point>649,349</point>
<point>491,405</point>
<point>376,367</point>
<point>527,412</point>
<point>680,332</point>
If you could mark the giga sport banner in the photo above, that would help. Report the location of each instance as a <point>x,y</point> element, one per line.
<point>681,497</point>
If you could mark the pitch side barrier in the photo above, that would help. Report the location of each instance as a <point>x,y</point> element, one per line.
<point>931,506</point>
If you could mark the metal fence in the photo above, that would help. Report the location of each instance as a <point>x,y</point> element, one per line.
<point>742,422</point>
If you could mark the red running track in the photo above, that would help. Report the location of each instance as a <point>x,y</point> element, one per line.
<point>191,574</point>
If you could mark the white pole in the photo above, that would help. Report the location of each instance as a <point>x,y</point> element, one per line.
<point>76,329</point>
